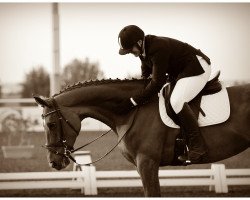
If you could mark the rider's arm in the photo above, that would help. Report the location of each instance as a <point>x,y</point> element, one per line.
<point>145,70</point>
<point>160,62</point>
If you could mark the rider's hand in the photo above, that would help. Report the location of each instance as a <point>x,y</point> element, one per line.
<point>124,107</point>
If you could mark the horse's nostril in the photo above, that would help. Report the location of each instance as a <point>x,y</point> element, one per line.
<point>53,164</point>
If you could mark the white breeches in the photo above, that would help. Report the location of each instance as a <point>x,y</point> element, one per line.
<point>187,88</point>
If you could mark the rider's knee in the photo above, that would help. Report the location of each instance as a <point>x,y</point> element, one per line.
<point>176,104</point>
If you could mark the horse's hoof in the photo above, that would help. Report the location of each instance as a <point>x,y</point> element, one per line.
<point>184,160</point>
<point>187,162</point>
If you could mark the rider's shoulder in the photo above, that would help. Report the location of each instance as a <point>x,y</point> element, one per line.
<point>156,44</point>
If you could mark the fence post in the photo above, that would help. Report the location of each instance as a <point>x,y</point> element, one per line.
<point>87,180</point>
<point>93,180</point>
<point>216,177</point>
<point>211,187</point>
<point>223,179</point>
<point>83,157</point>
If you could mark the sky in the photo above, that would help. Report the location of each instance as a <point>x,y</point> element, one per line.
<point>220,30</point>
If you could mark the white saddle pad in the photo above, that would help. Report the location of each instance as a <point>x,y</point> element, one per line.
<point>215,106</point>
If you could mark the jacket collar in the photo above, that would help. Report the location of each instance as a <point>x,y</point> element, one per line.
<point>146,44</point>
<point>143,48</point>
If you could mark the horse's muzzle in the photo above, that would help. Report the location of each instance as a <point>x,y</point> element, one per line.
<point>59,165</point>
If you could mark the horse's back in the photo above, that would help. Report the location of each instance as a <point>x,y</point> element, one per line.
<point>240,90</point>
<point>239,97</point>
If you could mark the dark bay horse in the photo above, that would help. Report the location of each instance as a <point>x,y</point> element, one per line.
<point>148,143</point>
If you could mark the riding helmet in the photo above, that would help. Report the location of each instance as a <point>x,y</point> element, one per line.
<point>128,37</point>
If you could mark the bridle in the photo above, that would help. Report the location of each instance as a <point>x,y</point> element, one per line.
<point>62,143</point>
<point>68,150</point>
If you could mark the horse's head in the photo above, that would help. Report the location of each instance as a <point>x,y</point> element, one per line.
<point>62,113</point>
<point>61,129</point>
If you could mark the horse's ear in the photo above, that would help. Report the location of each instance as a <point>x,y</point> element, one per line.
<point>41,101</point>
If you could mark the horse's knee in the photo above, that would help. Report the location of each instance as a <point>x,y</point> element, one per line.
<point>144,165</point>
<point>148,169</point>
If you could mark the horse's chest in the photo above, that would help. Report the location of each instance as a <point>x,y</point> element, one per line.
<point>127,152</point>
<point>123,147</point>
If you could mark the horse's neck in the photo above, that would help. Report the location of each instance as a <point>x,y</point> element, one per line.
<point>99,101</point>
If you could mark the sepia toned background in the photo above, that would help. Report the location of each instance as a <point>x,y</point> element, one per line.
<point>88,49</point>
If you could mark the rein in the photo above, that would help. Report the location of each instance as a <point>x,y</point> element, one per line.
<point>69,150</point>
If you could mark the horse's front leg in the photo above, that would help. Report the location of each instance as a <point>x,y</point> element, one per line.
<point>148,170</point>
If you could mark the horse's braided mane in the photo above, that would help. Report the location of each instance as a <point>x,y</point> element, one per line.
<point>94,82</point>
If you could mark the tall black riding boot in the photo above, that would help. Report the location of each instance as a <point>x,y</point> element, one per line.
<point>195,142</point>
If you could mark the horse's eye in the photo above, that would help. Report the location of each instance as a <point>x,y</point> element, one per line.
<point>51,125</point>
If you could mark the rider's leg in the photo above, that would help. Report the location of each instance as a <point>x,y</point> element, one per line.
<point>195,142</point>
<point>185,90</point>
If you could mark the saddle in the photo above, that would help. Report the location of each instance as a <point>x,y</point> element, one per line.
<point>211,106</point>
<point>212,86</point>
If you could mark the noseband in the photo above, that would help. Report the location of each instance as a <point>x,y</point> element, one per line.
<point>62,143</point>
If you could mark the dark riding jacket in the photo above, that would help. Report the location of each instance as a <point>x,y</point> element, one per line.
<point>163,56</point>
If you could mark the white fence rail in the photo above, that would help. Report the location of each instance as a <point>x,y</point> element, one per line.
<point>41,180</point>
<point>89,180</point>
<point>237,177</point>
<point>22,100</point>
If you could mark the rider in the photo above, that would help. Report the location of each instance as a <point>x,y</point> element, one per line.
<point>188,66</point>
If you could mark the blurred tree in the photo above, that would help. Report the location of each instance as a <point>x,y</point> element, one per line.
<point>79,70</point>
<point>37,81</point>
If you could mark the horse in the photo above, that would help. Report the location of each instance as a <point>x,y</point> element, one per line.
<point>144,139</point>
